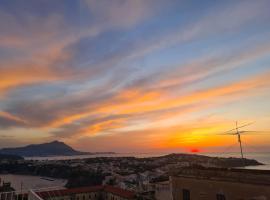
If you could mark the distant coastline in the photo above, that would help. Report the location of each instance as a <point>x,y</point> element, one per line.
<point>92,169</point>
<point>70,157</point>
<point>57,150</point>
<point>262,157</point>
<point>50,149</point>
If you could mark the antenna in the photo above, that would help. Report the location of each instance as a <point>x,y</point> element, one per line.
<point>237,132</point>
<point>240,142</point>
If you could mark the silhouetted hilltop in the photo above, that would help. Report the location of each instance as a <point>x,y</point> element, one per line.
<point>54,148</point>
<point>196,159</point>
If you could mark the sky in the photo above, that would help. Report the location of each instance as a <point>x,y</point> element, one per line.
<point>135,76</point>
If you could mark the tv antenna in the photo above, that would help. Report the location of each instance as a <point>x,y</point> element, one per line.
<point>236,131</point>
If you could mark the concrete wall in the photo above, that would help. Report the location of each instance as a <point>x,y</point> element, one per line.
<point>88,196</point>
<point>110,196</point>
<point>163,191</point>
<point>203,189</point>
<point>79,196</point>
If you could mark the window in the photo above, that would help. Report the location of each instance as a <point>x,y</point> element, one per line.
<point>186,194</point>
<point>221,197</point>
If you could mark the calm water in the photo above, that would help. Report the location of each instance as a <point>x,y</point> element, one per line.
<point>22,182</point>
<point>138,155</point>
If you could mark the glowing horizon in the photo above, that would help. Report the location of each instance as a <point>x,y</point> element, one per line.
<point>134,76</point>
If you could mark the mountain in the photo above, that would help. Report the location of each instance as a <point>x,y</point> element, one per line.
<point>54,148</point>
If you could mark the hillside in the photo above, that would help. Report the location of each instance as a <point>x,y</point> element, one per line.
<point>202,160</point>
<point>54,148</point>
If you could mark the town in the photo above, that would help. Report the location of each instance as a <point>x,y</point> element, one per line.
<point>143,176</point>
<point>134,100</point>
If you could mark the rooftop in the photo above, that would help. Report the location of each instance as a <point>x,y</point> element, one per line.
<point>64,192</point>
<point>232,175</point>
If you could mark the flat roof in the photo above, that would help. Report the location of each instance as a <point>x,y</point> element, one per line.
<point>257,177</point>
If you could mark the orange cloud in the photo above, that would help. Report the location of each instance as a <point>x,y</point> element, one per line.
<point>40,66</point>
<point>187,136</point>
<point>11,117</point>
<point>137,102</point>
<point>155,107</point>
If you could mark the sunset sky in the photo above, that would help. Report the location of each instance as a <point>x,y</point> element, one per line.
<point>134,76</point>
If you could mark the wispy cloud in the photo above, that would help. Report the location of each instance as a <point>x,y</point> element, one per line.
<point>123,14</point>
<point>7,120</point>
<point>98,73</point>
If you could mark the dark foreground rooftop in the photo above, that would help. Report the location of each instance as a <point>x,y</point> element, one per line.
<point>261,177</point>
<point>64,192</point>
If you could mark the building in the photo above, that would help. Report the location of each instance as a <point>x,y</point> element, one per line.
<point>6,191</point>
<point>163,191</point>
<point>221,184</point>
<point>84,193</point>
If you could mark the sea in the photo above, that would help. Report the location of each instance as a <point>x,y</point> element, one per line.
<point>23,183</point>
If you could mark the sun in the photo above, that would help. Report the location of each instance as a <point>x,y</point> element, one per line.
<point>194,150</point>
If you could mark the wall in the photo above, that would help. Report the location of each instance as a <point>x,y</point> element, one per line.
<point>163,191</point>
<point>88,196</point>
<point>203,189</point>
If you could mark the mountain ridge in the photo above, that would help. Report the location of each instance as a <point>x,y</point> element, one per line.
<point>54,148</point>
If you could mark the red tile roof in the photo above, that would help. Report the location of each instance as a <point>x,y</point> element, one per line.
<point>119,192</point>
<point>64,192</point>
